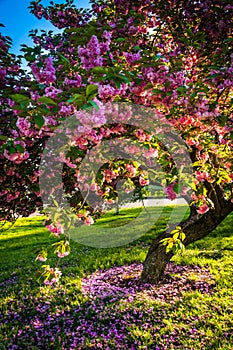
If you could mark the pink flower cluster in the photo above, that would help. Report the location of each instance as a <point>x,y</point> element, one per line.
<point>151,153</point>
<point>16,157</point>
<point>38,10</point>
<point>55,273</point>
<point>169,190</point>
<point>24,125</point>
<point>132,57</point>
<point>143,181</point>
<point>203,176</point>
<point>2,73</point>
<point>41,258</point>
<point>92,55</point>
<point>75,81</point>
<point>109,175</point>
<point>106,91</point>
<point>62,255</point>
<point>131,170</point>
<point>89,220</point>
<point>10,197</point>
<point>51,91</point>
<point>202,209</point>
<point>46,75</point>
<point>56,230</point>
<point>142,136</point>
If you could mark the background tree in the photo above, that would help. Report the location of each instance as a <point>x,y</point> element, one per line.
<point>172,56</point>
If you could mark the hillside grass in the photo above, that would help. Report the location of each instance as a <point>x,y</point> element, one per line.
<point>35,316</point>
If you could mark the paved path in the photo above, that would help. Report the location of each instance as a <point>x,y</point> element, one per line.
<point>155,202</point>
<point>147,202</point>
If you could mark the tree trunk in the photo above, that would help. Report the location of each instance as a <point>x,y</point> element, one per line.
<point>117,206</point>
<point>194,228</point>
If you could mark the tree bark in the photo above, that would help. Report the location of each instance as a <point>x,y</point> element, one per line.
<point>195,228</point>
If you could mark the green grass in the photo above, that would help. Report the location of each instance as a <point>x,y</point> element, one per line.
<point>21,293</point>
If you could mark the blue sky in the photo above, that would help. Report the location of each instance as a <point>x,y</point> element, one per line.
<point>17,19</point>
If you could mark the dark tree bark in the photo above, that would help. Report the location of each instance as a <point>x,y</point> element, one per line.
<point>194,227</point>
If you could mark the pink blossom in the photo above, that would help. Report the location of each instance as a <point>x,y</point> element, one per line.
<point>2,73</point>
<point>106,91</point>
<point>10,197</point>
<point>203,209</point>
<point>109,175</point>
<point>62,255</point>
<point>34,95</point>
<point>203,176</point>
<point>45,75</point>
<point>131,170</point>
<point>170,192</point>
<point>91,55</point>
<point>94,187</point>
<point>56,230</point>
<point>74,81</point>
<point>152,152</point>
<point>143,181</point>
<point>24,126</point>
<point>131,57</point>
<point>2,193</point>
<point>142,136</point>
<point>89,220</point>
<point>16,157</point>
<point>52,92</point>
<point>192,142</point>
<point>10,172</point>
<point>41,258</point>
<point>66,109</point>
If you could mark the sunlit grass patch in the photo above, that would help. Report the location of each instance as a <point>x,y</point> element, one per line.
<point>190,309</point>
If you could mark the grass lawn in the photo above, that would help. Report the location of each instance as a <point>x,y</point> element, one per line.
<point>99,304</point>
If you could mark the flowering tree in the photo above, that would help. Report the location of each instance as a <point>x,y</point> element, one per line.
<point>172,57</point>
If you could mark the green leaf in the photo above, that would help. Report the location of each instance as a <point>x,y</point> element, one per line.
<point>94,104</point>
<point>64,59</point>
<point>117,83</point>
<point>214,67</point>
<point>55,203</point>
<point>3,137</point>
<point>87,106</point>
<point>177,188</point>
<point>180,245</point>
<point>164,241</point>
<point>100,70</point>
<point>223,120</point>
<point>12,150</point>
<point>19,98</point>
<point>123,77</point>
<point>182,236</point>
<point>136,48</point>
<point>169,247</point>
<point>182,89</point>
<point>198,163</point>
<point>175,236</point>
<point>157,91</point>
<point>47,100</point>
<point>76,98</point>
<point>91,90</point>
<point>19,148</point>
<point>28,57</point>
<point>120,40</point>
<point>39,120</point>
